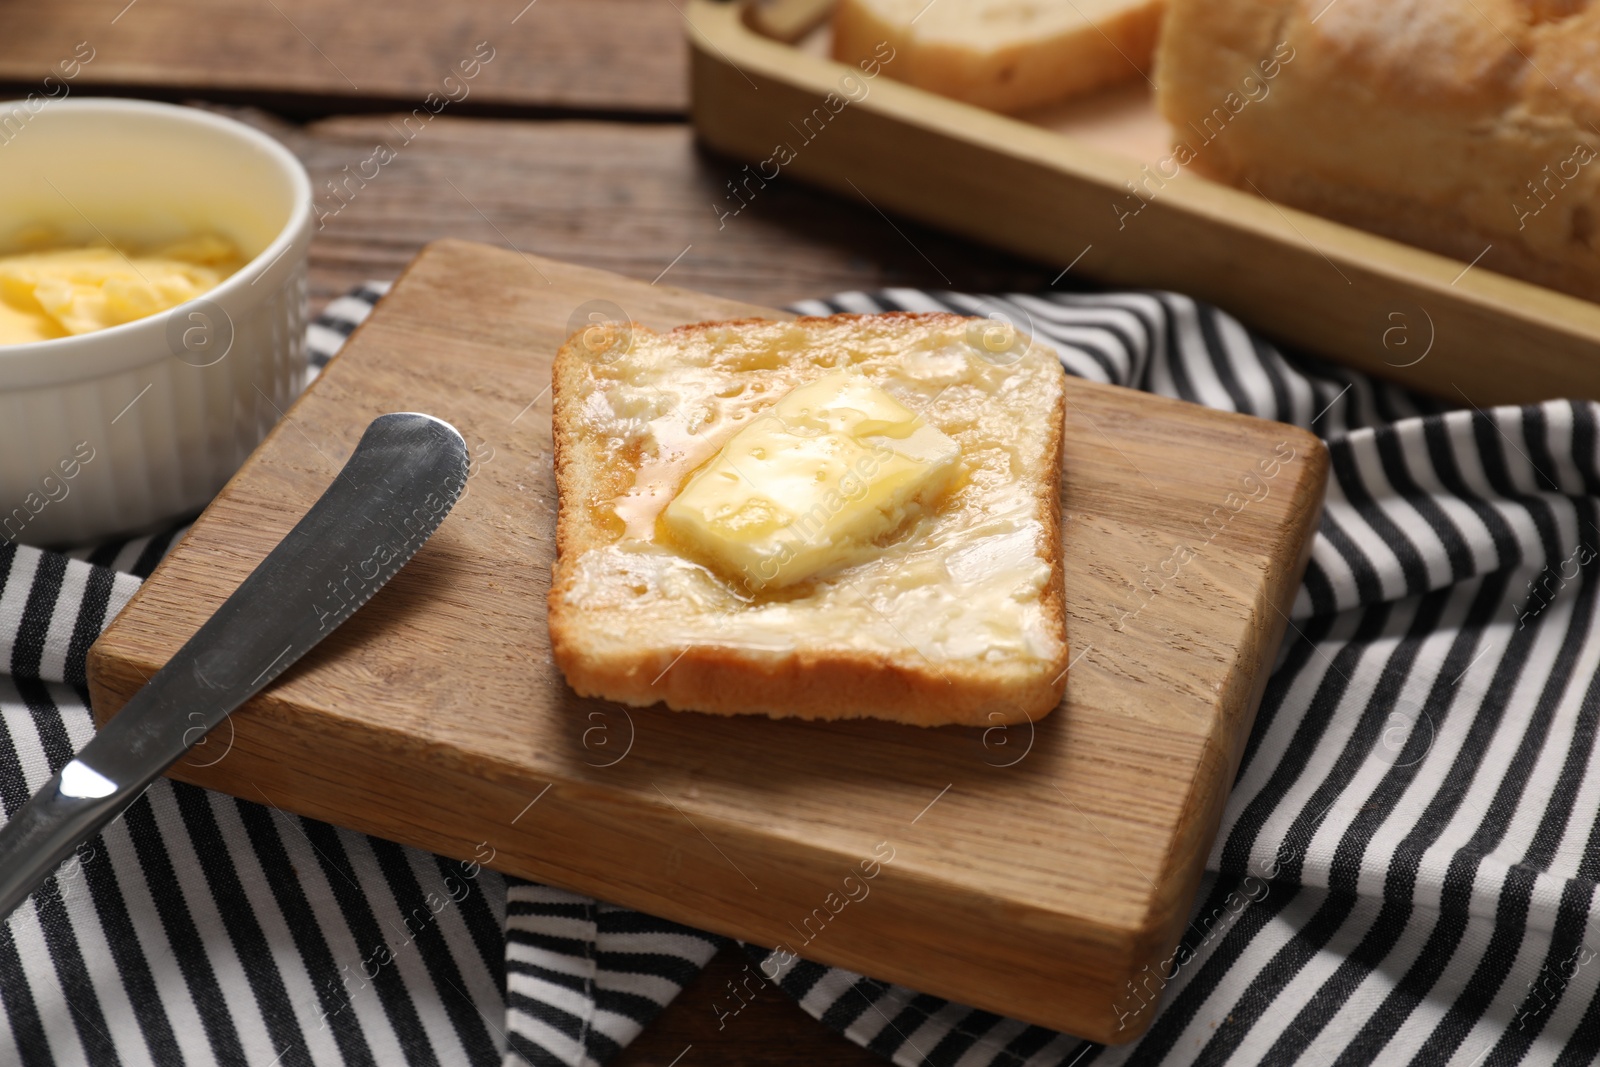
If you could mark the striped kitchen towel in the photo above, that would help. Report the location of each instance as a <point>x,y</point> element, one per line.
<point>1419,781</point>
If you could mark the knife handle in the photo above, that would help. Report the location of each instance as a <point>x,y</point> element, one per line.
<point>108,774</point>
<point>72,807</point>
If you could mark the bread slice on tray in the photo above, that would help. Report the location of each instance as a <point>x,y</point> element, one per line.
<point>1005,55</point>
<point>830,518</point>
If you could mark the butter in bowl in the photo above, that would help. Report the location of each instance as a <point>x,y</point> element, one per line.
<point>152,310</point>
<point>61,289</point>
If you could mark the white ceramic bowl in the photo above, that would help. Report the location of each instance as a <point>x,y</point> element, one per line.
<point>118,430</point>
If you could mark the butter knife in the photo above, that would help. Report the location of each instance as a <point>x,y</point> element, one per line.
<point>403,478</point>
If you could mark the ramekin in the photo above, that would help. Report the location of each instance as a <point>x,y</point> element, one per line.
<point>119,430</point>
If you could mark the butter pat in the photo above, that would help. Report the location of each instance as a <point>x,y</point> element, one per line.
<point>811,481</point>
<point>59,293</point>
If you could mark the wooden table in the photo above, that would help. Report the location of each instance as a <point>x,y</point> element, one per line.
<point>571,143</point>
<point>634,198</point>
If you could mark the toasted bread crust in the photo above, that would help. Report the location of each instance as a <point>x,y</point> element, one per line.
<point>815,683</point>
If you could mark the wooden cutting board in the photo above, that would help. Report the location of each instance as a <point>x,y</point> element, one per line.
<point>1030,870</point>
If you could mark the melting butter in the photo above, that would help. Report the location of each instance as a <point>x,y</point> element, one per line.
<point>832,466</point>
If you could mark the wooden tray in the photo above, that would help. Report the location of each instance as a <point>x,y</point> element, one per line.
<point>1034,869</point>
<point>1048,188</point>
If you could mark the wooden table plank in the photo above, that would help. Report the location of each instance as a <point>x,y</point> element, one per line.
<point>637,199</point>
<point>313,57</point>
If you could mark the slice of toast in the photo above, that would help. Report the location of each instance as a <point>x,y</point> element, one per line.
<point>956,616</point>
<point>1005,55</point>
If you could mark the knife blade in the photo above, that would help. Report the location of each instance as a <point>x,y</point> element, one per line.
<point>403,478</point>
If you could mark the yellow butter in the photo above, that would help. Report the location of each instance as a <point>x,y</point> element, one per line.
<point>828,469</point>
<point>59,293</point>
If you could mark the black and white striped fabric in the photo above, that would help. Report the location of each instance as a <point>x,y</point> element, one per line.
<point>1405,872</point>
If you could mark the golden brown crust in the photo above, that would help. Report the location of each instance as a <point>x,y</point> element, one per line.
<point>1465,129</point>
<point>723,678</point>
<point>1054,597</point>
<point>836,685</point>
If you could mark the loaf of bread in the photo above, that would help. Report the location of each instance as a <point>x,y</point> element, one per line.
<point>1468,127</point>
<point>934,605</point>
<point>1004,55</point>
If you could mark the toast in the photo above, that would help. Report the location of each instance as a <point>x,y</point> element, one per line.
<point>1000,54</point>
<point>954,613</point>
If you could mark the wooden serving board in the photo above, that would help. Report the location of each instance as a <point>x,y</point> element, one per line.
<point>1054,185</point>
<point>1030,870</point>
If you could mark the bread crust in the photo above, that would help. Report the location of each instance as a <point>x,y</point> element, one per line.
<point>1465,129</point>
<point>813,683</point>
<point>1023,73</point>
